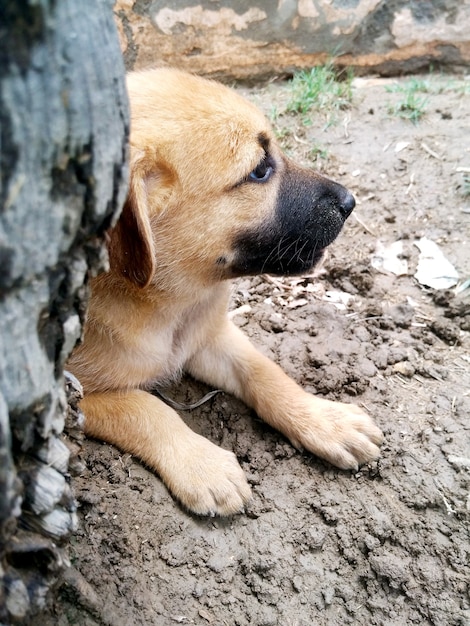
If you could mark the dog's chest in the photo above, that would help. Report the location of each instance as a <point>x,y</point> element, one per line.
<point>166,348</point>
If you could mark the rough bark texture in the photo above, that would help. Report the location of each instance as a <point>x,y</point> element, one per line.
<point>246,40</point>
<point>64,124</point>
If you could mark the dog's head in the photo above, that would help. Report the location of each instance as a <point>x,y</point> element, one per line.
<point>211,194</point>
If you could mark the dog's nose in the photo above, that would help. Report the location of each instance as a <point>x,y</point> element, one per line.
<point>347,204</point>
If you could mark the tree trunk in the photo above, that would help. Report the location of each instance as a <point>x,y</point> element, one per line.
<point>64,127</point>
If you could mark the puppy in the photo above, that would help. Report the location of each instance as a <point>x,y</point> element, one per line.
<point>211,198</point>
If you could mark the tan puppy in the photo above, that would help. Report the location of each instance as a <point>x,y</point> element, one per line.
<point>211,198</point>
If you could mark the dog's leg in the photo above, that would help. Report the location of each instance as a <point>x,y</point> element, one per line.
<point>205,478</point>
<point>341,433</point>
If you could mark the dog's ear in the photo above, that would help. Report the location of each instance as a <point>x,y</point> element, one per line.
<point>130,245</point>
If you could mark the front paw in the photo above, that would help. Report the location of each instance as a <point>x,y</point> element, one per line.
<point>343,434</point>
<point>206,479</point>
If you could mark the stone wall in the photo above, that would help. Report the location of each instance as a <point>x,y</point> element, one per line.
<point>64,125</point>
<point>253,40</point>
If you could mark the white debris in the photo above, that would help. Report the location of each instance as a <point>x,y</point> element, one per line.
<point>459,461</point>
<point>340,299</point>
<point>401,145</point>
<point>386,258</point>
<point>434,270</point>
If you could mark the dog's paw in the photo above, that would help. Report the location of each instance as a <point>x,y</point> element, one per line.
<point>343,434</point>
<point>206,479</point>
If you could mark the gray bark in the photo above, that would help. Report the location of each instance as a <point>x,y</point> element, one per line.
<point>64,126</point>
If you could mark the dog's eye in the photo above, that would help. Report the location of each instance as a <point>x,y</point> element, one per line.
<point>262,172</point>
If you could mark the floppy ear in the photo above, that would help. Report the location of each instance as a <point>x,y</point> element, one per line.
<point>131,247</point>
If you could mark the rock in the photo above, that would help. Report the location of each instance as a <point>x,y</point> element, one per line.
<point>365,367</point>
<point>390,567</point>
<point>404,368</point>
<point>446,330</point>
<point>241,41</point>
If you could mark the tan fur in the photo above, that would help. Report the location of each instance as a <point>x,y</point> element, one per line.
<point>161,308</point>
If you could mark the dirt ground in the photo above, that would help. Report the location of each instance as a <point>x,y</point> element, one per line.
<point>388,545</point>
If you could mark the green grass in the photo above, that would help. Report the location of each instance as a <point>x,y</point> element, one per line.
<point>415,93</point>
<point>412,106</point>
<point>413,85</point>
<point>320,89</point>
<point>282,133</point>
<point>318,153</point>
<point>433,84</point>
<point>461,86</point>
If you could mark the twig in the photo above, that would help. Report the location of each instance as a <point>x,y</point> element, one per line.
<point>431,152</point>
<point>449,509</point>
<point>299,140</point>
<point>412,180</point>
<point>366,228</point>
<point>277,283</point>
<point>347,119</point>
